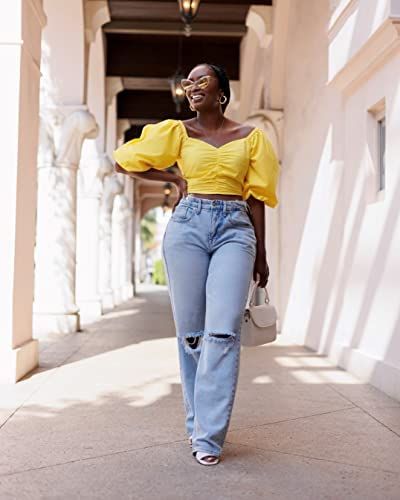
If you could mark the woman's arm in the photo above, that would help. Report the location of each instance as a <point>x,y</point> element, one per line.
<point>159,175</point>
<point>258,219</point>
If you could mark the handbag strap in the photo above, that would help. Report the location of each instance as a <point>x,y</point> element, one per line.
<point>252,295</point>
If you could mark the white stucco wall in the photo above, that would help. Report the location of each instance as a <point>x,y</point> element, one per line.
<point>96,87</point>
<point>356,21</point>
<point>340,241</point>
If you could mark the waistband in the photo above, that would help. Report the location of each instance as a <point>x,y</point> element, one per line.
<point>206,204</point>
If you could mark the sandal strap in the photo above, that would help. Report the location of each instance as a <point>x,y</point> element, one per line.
<point>202,457</point>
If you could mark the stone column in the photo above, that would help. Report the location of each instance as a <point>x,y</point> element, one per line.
<point>128,278</point>
<point>134,229</point>
<point>128,281</point>
<point>112,187</point>
<point>120,255</point>
<point>137,238</point>
<point>92,172</point>
<point>55,308</point>
<point>21,24</point>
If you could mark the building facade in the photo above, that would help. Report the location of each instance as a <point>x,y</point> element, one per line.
<point>339,226</point>
<point>320,77</point>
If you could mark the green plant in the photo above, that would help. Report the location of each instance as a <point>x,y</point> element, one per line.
<point>159,273</point>
<point>147,229</point>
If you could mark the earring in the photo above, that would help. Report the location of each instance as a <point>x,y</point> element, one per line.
<point>223,99</point>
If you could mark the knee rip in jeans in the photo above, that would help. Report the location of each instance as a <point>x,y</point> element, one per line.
<point>192,342</point>
<point>227,339</point>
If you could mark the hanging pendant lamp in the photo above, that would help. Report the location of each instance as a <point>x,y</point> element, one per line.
<point>188,10</point>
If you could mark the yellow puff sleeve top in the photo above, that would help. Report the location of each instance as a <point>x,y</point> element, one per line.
<point>245,167</point>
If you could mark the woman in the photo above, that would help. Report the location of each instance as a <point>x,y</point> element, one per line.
<point>213,244</point>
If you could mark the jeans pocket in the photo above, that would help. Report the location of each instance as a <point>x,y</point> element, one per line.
<point>240,222</point>
<point>238,218</point>
<point>182,213</point>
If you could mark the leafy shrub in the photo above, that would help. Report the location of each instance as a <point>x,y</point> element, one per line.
<point>159,273</point>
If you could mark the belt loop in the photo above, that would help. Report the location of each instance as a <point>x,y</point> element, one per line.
<point>199,205</point>
<point>225,206</point>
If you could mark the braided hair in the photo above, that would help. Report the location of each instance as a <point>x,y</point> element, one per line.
<point>223,81</point>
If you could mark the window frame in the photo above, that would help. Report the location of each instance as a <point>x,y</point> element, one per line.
<point>377,142</point>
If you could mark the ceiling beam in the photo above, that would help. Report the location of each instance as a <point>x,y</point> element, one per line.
<point>169,11</point>
<point>137,83</point>
<point>174,28</point>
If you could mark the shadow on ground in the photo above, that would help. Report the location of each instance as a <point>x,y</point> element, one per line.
<point>103,418</point>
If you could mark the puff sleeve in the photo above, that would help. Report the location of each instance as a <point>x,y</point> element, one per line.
<point>262,176</point>
<point>157,147</point>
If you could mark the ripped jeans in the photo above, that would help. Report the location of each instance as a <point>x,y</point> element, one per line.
<point>209,248</point>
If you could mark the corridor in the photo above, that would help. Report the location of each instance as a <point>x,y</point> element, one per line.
<point>102,418</point>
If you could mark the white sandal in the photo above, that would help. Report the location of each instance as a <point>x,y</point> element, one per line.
<point>201,457</point>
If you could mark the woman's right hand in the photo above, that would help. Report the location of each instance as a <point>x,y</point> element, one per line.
<point>181,186</point>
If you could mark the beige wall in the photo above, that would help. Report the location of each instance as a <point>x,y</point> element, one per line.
<point>306,162</point>
<point>340,240</point>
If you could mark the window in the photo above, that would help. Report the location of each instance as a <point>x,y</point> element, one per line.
<point>376,143</point>
<point>381,152</point>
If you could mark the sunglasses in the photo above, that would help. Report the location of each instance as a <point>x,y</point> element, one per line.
<point>201,83</point>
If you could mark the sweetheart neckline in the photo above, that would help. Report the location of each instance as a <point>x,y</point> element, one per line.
<point>211,145</point>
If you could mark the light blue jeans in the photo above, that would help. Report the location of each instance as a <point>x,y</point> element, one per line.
<point>209,248</point>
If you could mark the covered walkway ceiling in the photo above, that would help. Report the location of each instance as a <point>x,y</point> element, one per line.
<point>143,42</point>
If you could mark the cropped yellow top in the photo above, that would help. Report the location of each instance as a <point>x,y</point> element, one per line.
<point>245,167</point>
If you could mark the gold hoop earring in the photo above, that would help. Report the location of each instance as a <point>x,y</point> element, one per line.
<point>222,100</point>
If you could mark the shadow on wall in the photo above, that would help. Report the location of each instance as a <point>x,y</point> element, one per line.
<point>311,231</point>
<point>332,280</point>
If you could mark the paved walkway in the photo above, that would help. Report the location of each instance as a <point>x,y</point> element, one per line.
<point>102,418</point>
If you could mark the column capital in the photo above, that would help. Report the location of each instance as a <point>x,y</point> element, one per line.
<point>92,171</point>
<point>122,126</point>
<point>97,13</point>
<point>112,187</point>
<point>114,85</point>
<point>259,19</point>
<point>62,132</point>
<point>78,125</point>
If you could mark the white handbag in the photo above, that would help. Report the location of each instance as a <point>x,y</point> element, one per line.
<point>259,322</point>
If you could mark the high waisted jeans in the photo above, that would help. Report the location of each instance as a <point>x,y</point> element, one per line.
<point>209,249</point>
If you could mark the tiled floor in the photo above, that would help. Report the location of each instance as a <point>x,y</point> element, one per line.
<point>103,418</point>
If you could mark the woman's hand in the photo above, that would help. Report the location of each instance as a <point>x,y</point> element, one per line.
<point>181,186</point>
<point>261,269</point>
